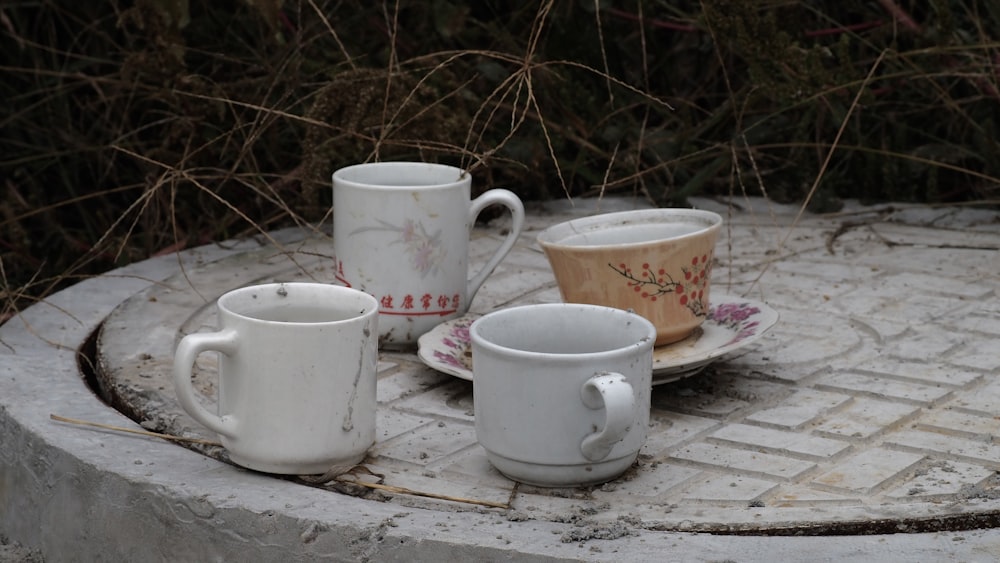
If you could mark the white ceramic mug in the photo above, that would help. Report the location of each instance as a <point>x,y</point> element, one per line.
<point>401,233</point>
<point>561,391</point>
<point>297,376</point>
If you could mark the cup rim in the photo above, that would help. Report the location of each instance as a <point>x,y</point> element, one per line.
<point>222,303</point>
<point>477,339</point>
<point>343,175</point>
<point>553,236</point>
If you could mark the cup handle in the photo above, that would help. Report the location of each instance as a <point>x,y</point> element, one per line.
<point>509,200</point>
<point>190,346</point>
<point>614,393</point>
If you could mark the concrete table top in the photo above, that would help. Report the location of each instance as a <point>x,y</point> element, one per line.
<point>861,424</point>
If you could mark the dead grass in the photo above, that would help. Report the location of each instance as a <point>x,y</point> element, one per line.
<point>137,129</point>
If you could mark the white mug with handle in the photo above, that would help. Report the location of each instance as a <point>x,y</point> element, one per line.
<point>561,391</point>
<point>297,371</point>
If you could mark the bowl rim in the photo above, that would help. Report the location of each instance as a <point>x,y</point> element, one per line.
<point>552,236</point>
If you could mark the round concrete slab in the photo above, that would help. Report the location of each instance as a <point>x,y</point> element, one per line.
<point>866,410</point>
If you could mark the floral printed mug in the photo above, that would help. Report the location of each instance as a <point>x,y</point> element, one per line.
<point>656,262</point>
<point>401,233</point>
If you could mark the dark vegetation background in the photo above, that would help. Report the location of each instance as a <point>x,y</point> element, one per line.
<point>131,129</point>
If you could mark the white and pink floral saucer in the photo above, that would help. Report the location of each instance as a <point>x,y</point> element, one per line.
<point>732,323</point>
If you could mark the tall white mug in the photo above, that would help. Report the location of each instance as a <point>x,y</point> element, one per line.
<point>401,233</point>
<point>297,370</point>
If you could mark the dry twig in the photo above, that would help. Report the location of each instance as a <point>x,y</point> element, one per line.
<point>341,478</point>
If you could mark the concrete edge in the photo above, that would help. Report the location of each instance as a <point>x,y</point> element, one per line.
<point>81,494</point>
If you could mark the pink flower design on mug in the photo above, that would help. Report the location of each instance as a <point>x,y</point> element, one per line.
<point>408,232</point>
<point>423,248</point>
<point>424,256</point>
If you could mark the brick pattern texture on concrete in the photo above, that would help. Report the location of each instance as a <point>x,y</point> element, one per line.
<point>874,398</point>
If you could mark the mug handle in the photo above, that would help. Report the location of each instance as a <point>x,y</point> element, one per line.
<point>614,393</point>
<point>188,349</point>
<point>509,200</point>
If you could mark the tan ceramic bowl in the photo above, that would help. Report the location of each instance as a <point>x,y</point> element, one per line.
<point>657,262</point>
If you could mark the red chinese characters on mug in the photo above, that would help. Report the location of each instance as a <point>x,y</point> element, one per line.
<point>411,304</point>
<point>425,304</point>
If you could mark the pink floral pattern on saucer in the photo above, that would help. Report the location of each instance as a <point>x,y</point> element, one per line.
<point>740,317</point>
<point>456,350</point>
<point>448,347</point>
<point>731,323</point>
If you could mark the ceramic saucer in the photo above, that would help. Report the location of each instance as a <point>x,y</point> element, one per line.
<point>732,323</point>
<point>448,347</point>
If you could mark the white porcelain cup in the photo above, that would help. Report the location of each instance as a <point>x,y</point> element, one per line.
<point>561,391</point>
<point>297,370</point>
<point>401,233</point>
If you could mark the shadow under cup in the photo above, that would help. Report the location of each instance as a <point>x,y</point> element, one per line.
<point>538,371</point>
<point>656,262</point>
